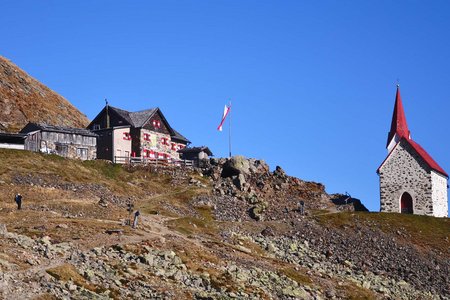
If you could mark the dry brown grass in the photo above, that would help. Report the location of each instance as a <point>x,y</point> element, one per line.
<point>297,276</point>
<point>352,291</point>
<point>45,207</point>
<point>46,296</point>
<point>423,231</point>
<point>204,224</point>
<point>29,100</point>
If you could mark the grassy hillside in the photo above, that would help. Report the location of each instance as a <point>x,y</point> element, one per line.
<point>184,248</point>
<point>23,99</point>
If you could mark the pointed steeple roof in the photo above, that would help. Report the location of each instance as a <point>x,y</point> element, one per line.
<point>399,127</point>
<point>398,124</point>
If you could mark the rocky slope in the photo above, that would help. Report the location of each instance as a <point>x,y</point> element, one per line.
<point>24,99</point>
<point>231,230</point>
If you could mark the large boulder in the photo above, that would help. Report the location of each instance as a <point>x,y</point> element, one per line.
<point>235,166</point>
<point>258,166</point>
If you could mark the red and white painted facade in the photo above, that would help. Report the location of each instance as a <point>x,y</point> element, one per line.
<point>145,134</point>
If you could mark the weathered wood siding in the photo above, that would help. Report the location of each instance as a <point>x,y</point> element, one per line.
<point>68,145</point>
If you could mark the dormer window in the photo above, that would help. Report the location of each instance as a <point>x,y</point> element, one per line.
<point>96,127</point>
<point>156,124</point>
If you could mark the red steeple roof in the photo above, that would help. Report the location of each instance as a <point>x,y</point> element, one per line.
<point>400,127</point>
<point>398,124</point>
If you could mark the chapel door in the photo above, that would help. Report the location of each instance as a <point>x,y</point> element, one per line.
<point>406,204</point>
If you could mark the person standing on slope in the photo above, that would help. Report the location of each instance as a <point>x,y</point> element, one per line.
<point>18,200</point>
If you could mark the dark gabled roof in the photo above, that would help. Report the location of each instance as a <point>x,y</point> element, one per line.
<point>136,119</point>
<point>122,113</point>
<point>140,118</point>
<point>196,150</point>
<point>12,138</point>
<point>178,136</point>
<point>13,135</point>
<point>30,127</point>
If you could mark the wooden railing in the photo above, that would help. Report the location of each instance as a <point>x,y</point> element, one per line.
<point>153,161</point>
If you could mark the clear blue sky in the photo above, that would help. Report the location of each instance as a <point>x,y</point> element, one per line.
<point>312,82</point>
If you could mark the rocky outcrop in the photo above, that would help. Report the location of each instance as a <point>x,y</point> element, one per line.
<point>264,195</point>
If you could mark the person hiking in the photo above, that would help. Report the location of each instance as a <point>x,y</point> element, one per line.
<point>136,215</point>
<point>301,207</point>
<point>18,200</point>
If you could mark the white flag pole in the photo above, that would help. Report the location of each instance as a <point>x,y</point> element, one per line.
<point>229,130</point>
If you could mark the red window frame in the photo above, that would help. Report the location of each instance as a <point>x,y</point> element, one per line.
<point>165,141</point>
<point>127,136</point>
<point>156,124</point>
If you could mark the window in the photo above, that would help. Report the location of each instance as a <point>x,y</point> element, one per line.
<point>96,127</point>
<point>165,141</point>
<point>61,149</point>
<point>146,137</point>
<point>82,153</point>
<point>174,147</point>
<point>127,136</point>
<point>156,123</point>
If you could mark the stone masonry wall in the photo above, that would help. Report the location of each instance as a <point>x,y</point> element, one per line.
<point>154,142</point>
<point>439,195</point>
<point>405,171</point>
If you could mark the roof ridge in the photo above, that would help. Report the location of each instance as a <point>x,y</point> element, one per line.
<point>144,110</point>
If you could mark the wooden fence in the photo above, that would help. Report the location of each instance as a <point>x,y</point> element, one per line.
<point>154,161</point>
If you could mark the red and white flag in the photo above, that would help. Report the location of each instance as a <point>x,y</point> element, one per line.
<point>226,110</point>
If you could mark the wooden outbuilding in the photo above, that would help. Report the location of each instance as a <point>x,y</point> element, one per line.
<point>64,141</point>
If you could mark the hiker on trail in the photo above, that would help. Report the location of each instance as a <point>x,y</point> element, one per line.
<point>136,215</point>
<point>301,207</point>
<point>130,210</point>
<point>18,200</point>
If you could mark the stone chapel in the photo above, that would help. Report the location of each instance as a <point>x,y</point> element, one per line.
<point>411,181</point>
